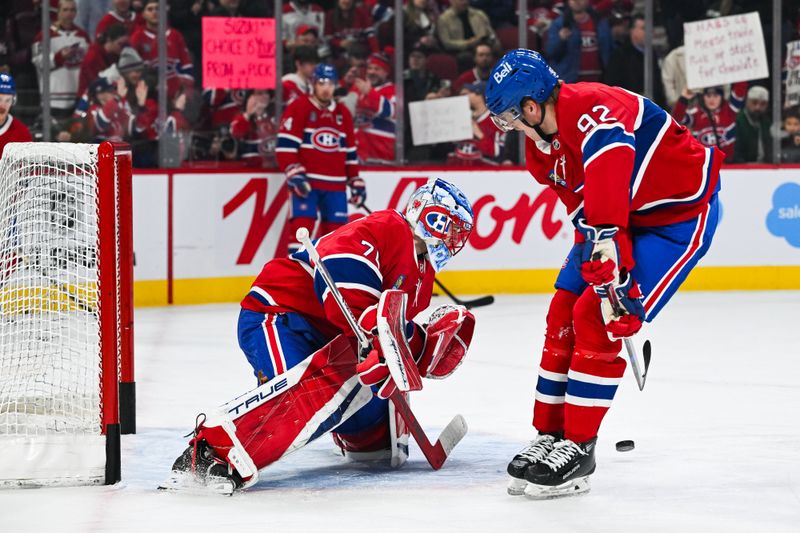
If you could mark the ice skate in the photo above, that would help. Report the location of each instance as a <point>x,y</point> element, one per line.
<point>197,470</point>
<point>536,451</point>
<point>564,472</point>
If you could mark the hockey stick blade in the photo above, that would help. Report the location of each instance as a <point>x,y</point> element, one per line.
<point>469,304</point>
<point>646,353</point>
<point>436,454</point>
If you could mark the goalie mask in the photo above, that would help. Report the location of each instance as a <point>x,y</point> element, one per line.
<point>440,215</point>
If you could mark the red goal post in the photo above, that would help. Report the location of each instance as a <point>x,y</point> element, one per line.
<point>67,386</point>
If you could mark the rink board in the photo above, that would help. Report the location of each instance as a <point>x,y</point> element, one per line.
<point>202,237</point>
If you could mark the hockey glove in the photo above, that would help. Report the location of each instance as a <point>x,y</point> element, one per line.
<point>622,308</point>
<point>600,254</point>
<point>448,336</point>
<point>358,191</point>
<point>374,371</point>
<point>298,185</point>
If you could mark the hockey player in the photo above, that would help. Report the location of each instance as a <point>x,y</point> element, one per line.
<point>11,130</point>
<point>642,194</point>
<point>316,149</point>
<point>302,351</point>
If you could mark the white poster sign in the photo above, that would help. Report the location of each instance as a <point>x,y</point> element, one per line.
<point>440,120</point>
<point>792,74</point>
<point>724,50</point>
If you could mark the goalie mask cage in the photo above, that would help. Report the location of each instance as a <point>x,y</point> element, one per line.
<point>66,321</point>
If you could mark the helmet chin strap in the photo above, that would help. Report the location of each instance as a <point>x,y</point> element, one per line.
<point>547,137</point>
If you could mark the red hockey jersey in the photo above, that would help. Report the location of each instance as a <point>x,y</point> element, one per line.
<point>375,123</point>
<point>257,138</point>
<point>364,257</point>
<point>13,131</point>
<point>180,72</point>
<point>224,105</point>
<point>131,22</point>
<point>317,142</point>
<point>714,128</point>
<point>619,159</point>
<point>294,86</point>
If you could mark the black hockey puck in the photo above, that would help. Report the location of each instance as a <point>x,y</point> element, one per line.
<point>625,446</point>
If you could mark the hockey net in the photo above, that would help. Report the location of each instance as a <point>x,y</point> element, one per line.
<point>63,308</point>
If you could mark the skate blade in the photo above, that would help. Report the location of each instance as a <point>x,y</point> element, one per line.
<point>570,488</point>
<point>516,487</point>
<point>188,483</point>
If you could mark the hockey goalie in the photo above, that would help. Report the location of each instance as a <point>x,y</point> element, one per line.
<point>304,354</point>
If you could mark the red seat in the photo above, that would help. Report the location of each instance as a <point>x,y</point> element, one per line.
<point>508,37</point>
<point>444,66</point>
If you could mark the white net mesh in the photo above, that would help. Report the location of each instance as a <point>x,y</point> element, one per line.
<point>49,332</point>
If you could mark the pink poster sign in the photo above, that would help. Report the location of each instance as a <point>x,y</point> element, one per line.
<point>238,53</point>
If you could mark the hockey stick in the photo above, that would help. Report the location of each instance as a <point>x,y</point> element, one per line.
<point>619,310</point>
<point>436,454</point>
<point>469,304</point>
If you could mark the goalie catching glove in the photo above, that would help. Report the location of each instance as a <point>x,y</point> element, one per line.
<point>438,349</point>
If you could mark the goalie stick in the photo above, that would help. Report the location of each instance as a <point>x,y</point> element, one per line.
<point>469,304</point>
<point>436,454</point>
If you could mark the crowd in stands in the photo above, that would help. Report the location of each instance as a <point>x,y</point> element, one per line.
<point>103,77</point>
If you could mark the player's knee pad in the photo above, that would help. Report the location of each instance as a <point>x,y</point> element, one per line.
<point>560,331</point>
<point>590,330</point>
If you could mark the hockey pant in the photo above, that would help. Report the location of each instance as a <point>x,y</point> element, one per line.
<point>580,368</point>
<point>329,206</point>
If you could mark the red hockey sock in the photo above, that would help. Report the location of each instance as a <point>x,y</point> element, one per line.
<point>592,384</point>
<point>548,410</point>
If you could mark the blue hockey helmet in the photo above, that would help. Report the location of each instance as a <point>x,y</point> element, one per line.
<point>323,71</point>
<point>7,86</point>
<point>440,215</point>
<point>520,74</point>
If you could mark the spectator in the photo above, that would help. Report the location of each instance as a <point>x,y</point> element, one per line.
<point>23,22</point>
<point>753,138</point>
<point>673,74</point>
<point>500,12</point>
<point>298,13</point>
<point>348,23</point>
<point>180,71</point>
<point>103,53</point>
<point>11,130</point>
<point>418,23</point>
<point>484,61</point>
<point>121,14</point>
<point>486,145</point>
<point>578,43</point>
<point>186,16</point>
<point>375,111</point>
<point>308,35</point>
<point>713,120</point>
<point>419,83</point>
<point>626,66</point>
<point>68,46</point>
<point>255,131</point>
<point>461,28</point>
<point>227,8</point>
<point>790,143</point>
<point>223,105</point>
<point>90,12</point>
<point>299,82</point>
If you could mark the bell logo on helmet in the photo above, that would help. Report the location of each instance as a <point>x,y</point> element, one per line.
<point>500,75</point>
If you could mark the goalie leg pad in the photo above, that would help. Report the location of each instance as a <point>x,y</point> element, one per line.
<point>287,412</point>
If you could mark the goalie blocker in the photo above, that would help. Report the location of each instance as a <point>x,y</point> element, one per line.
<point>314,398</point>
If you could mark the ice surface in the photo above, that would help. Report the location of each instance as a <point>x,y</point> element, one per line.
<point>717,434</point>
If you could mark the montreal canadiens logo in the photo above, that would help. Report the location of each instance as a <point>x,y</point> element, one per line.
<point>437,221</point>
<point>326,140</point>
